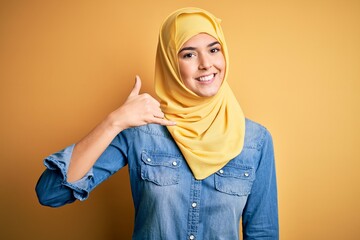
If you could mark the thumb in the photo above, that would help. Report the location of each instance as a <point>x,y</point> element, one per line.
<point>135,91</point>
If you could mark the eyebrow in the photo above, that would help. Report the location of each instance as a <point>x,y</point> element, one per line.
<point>193,48</point>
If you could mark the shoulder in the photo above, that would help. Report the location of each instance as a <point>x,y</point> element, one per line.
<point>154,130</point>
<point>152,138</point>
<point>148,129</point>
<point>256,135</point>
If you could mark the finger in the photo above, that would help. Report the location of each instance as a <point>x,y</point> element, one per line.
<point>150,100</point>
<point>156,102</point>
<point>150,114</point>
<point>135,91</point>
<point>159,114</point>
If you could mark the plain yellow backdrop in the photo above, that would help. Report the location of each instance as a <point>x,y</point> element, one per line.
<point>295,68</point>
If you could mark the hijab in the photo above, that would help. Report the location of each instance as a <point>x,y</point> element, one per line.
<point>209,131</point>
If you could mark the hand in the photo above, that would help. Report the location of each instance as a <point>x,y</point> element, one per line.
<point>138,109</point>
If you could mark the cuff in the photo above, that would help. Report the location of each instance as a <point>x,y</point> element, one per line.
<point>60,161</point>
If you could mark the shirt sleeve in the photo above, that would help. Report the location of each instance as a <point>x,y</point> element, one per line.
<point>260,217</point>
<point>54,190</point>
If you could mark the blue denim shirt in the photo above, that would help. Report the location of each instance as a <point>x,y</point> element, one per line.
<point>169,202</point>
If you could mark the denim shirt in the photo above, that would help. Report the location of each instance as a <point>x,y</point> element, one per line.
<point>169,202</point>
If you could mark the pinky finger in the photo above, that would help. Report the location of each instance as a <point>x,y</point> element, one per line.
<point>164,122</point>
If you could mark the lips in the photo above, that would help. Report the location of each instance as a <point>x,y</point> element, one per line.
<point>206,78</point>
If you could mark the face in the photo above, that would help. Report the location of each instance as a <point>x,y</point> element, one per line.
<point>202,65</point>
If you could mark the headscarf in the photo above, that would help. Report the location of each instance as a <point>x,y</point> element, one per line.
<point>209,131</point>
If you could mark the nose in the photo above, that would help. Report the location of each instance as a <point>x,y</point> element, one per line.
<point>204,62</point>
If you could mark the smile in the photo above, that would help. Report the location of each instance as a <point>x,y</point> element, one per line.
<point>206,78</point>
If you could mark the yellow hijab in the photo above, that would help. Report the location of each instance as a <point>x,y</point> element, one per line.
<point>210,130</point>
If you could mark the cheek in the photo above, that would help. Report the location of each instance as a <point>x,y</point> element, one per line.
<point>185,70</point>
<point>222,66</point>
<point>181,68</point>
<point>222,63</point>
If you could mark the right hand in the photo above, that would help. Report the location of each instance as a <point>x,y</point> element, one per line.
<point>138,109</point>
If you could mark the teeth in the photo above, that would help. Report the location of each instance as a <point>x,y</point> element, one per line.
<point>206,78</point>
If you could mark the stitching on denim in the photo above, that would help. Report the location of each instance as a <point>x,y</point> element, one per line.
<point>152,132</point>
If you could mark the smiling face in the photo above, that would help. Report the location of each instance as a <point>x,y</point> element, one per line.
<point>202,65</point>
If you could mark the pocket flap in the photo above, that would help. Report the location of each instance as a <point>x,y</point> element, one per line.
<point>235,179</point>
<point>237,171</point>
<point>158,159</point>
<point>160,168</point>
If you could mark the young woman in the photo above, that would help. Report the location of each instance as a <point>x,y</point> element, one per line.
<point>196,165</point>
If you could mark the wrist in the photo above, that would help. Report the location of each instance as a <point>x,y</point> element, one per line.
<point>113,125</point>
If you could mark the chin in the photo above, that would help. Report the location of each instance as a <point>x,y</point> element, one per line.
<point>207,94</point>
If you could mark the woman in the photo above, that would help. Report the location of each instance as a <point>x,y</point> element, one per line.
<point>196,165</point>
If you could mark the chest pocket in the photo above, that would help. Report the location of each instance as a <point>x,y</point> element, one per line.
<point>235,179</point>
<point>159,168</point>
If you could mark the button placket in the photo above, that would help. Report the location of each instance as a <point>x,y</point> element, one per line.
<point>194,210</point>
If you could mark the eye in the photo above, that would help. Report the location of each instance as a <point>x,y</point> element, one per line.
<point>215,50</point>
<point>188,55</point>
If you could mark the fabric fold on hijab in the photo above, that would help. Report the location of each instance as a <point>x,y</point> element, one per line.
<point>210,130</point>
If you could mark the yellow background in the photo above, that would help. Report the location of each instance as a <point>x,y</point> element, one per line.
<point>295,68</point>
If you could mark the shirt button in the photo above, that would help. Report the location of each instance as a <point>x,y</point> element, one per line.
<point>246,174</point>
<point>148,159</point>
<point>174,163</point>
<point>194,205</point>
<point>221,171</point>
<point>191,237</point>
